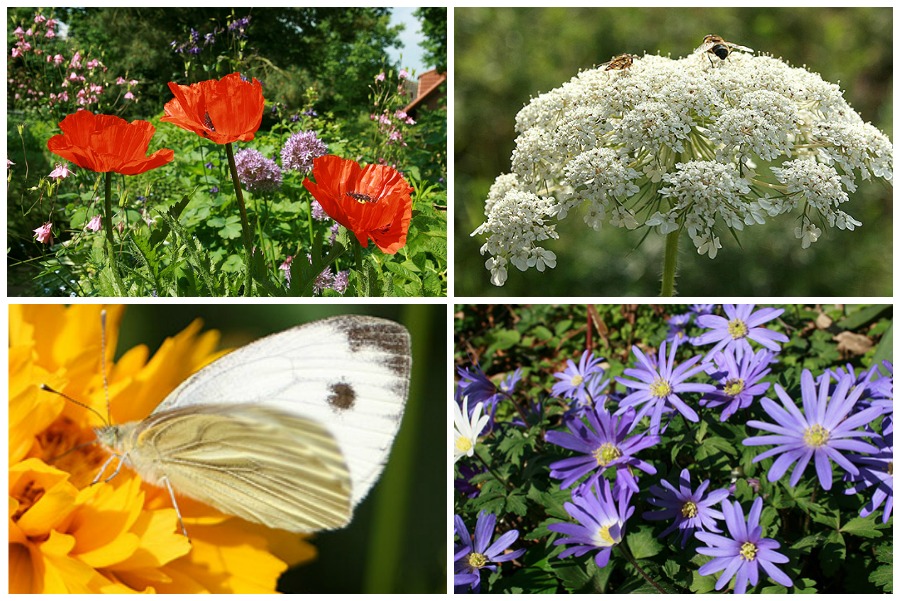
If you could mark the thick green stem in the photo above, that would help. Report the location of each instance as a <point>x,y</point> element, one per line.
<point>108,227</point>
<point>246,234</point>
<point>670,264</point>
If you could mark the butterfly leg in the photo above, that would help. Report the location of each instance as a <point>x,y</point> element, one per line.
<point>165,480</point>
<point>121,459</point>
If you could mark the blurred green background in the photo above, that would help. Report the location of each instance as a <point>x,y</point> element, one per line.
<point>506,56</point>
<point>397,541</point>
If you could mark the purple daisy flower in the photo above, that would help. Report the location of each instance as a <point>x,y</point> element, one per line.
<point>739,380</point>
<point>659,385</point>
<point>601,521</point>
<point>602,444</point>
<point>300,150</point>
<point>741,324</point>
<point>678,325</point>
<point>692,510</point>
<point>823,430</point>
<point>877,470</point>
<point>744,553</point>
<point>256,172</point>
<point>574,380</point>
<point>475,554</point>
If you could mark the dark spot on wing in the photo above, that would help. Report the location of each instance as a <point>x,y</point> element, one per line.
<point>342,396</point>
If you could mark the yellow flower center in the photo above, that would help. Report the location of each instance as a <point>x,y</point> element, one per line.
<point>748,551</point>
<point>689,510</point>
<point>737,328</point>
<point>607,453</point>
<point>660,388</point>
<point>463,444</point>
<point>604,536</point>
<point>815,436</point>
<point>577,379</point>
<point>476,561</point>
<point>734,387</point>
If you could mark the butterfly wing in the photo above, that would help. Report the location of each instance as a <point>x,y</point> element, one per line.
<point>348,373</point>
<point>250,461</point>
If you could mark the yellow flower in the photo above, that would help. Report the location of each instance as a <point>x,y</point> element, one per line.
<point>121,536</point>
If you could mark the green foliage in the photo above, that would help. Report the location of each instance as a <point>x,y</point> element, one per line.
<point>830,547</point>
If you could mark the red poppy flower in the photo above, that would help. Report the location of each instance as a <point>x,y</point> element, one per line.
<point>371,201</point>
<point>105,143</point>
<point>222,110</point>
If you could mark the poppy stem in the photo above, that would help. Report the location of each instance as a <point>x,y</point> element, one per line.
<point>110,241</point>
<point>362,277</point>
<point>245,223</point>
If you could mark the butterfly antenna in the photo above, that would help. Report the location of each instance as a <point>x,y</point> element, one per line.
<point>103,363</point>
<point>71,400</point>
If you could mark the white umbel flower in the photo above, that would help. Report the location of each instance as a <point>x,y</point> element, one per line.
<point>695,145</point>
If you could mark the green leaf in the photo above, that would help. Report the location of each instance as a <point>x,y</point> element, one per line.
<point>643,544</point>
<point>864,527</point>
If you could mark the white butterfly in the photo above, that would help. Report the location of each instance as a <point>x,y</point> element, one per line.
<point>290,431</point>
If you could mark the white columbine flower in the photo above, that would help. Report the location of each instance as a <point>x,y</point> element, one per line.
<point>465,430</point>
<point>695,145</point>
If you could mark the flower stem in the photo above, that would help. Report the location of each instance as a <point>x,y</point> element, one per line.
<point>493,473</point>
<point>110,241</point>
<point>670,262</point>
<point>245,223</point>
<point>643,574</point>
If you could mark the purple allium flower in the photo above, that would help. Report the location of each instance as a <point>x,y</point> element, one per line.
<point>744,553</point>
<point>471,555</point>
<point>692,510</point>
<point>256,172</point>
<point>300,150</point>
<point>601,520</point>
<point>822,431</point>
<point>741,323</point>
<point>739,380</point>
<point>659,385</point>
<point>341,282</point>
<point>602,444</point>
<point>318,213</point>
<point>877,470</point>
<point>575,379</point>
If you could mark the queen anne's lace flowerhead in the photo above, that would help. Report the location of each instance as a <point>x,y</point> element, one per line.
<point>689,144</point>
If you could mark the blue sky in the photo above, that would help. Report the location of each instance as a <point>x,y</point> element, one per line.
<point>410,56</point>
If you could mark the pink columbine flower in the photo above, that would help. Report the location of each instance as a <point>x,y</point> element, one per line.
<point>129,96</point>
<point>43,234</point>
<point>380,76</point>
<point>50,34</point>
<point>58,59</point>
<point>94,224</point>
<point>62,171</point>
<point>403,74</point>
<point>75,63</point>
<point>39,18</point>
